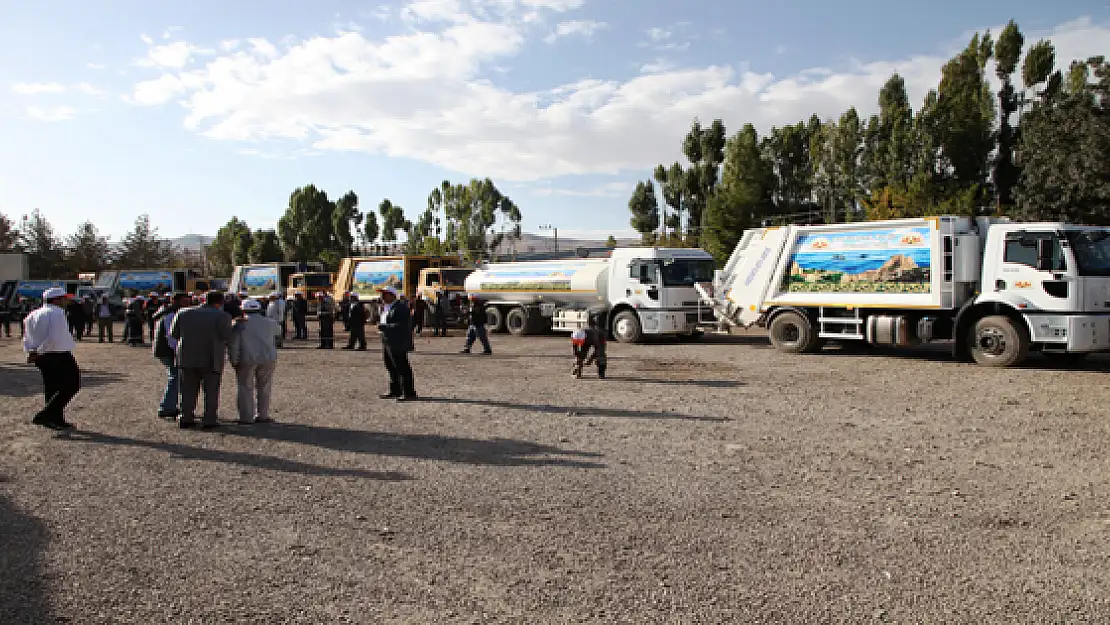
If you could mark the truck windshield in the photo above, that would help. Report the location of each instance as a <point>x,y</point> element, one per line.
<point>455,277</point>
<point>1092,251</point>
<point>318,280</point>
<point>687,271</point>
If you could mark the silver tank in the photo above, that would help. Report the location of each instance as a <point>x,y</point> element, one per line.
<point>582,281</point>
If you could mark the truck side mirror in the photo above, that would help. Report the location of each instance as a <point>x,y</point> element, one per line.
<point>1045,247</point>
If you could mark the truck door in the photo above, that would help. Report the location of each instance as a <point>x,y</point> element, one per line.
<point>180,283</point>
<point>1035,269</point>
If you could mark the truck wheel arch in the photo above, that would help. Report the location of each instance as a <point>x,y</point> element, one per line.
<point>971,313</point>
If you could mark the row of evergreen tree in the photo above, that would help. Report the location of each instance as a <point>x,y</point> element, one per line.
<point>1039,152</point>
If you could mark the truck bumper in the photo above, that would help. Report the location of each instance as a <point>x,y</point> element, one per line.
<point>668,322</point>
<point>1075,333</point>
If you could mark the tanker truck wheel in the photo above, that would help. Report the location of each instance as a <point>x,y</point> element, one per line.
<point>516,322</point>
<point>794,334</point>
<point>626,327</point>
<point>997,341</point>
<point>495,320</point>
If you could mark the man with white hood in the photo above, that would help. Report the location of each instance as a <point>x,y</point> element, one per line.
<point>253,354</point>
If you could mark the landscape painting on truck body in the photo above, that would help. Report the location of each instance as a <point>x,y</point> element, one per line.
<point>260,281</point>
<point>552,278</point>
<point>881,260</point>
<point>156,281</point>
<point>372,275</point>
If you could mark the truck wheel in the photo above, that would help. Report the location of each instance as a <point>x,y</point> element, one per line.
<point>997,341</point>
<point>794,334</point>
<point>626,327</point>
<point>516,322</point>
<point>495,320</point>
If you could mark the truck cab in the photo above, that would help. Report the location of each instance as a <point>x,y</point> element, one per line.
<point>652,291</point>
<point>308,284</point>
<point>450,280</point>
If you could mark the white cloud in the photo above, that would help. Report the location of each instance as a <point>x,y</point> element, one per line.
<point>581,28</point>
<point>96,66</point>
<point>658,35</point>
<point>54,114</point>
<point>36,88</point>
<point>609,189</point>
<point>428,95</point>
<point>147,39</point>
<point>89,90</point>
<point>658,66</point>
<point>174,55</point>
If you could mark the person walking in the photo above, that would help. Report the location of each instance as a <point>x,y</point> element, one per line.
<point>150,307</point>
<point>356,322</point>
<point>76,317</point>
<point>300,317</point>
<point>325,314</point>
<point>477,329</point>
<point>88,309</point>
<point>419,310</point>
<point>165,350</point>
<point>50,348</point>
<point>253,354</point>
<point>5,318</point>
<point>233,306</point>
<point>439,313</point>
<point>396,331</point>
<point>133,326</point>
<point>276,311</point>
<point>203,333</point>
<point>104,323</point>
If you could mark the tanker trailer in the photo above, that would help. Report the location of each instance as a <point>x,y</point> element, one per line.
<point>646,291</point>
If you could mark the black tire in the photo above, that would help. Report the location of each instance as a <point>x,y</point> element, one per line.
<point>495,320</point>
<point>998,341</point>
<point>516,322</point>
<point>794,334</point>
<point>627,328</point>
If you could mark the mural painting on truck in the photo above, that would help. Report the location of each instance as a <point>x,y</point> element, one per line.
<point>33,289</point>
<point>371,275</point>
<point>883,260</point>
<point>150,281</point>
<point>554,279</point>
<point>260,281</point>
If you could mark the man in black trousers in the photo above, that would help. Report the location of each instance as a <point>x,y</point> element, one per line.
<point>396,331</point>
<point>49,346</point>
<point>356,318</point>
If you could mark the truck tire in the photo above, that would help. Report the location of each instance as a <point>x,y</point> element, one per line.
<point>794,334</point>
<point>997,341</point>
<point>626,327</point>
<point>516,322</point>
<point>495,320</point>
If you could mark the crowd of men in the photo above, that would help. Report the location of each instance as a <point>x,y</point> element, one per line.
<point>194,336</point>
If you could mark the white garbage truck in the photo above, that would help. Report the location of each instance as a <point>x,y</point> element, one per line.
<point>646,291</point>
<point>995,289</point>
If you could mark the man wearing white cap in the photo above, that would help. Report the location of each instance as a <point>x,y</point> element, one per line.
<point>253,354</point>
<point>49,346</point>
<point>276,312</point>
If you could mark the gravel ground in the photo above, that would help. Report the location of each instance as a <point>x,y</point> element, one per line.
<point>712,482</point>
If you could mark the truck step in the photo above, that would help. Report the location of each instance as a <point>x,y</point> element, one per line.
<point>841,335</point>
<point>843,320</point>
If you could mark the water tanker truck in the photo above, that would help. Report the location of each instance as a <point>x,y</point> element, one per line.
<point>994,289</point>
<point>646,291</point>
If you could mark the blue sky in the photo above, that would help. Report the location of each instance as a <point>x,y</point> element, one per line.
<point>195,111</point>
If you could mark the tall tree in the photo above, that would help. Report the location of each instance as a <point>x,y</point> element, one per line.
<point>645,211</point>
<point>9,235</point>
<point>221,252</point>
<point>1004,173</point>
<point>787,149</point>
<point>370,229</point>
<point>744,196</point>
<point>244,245</point>
<point>704,148</point>
<point>306,229</point>
<point>87,250</point>
<point>1037,68</point>
<point>346,219</point>
<point>45,256</point>
<point>672,182</point>
<point>265,247</point>
<point>393,219</point>
<point>142,248</point>
<point>965,116</point>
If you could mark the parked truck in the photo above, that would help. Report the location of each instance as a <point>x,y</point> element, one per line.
<point>308,284</point>
<point>261,279</point>
<point>365,275</point>
<point>993,288</point>
<point>451,282</point>
<point>647,291</point>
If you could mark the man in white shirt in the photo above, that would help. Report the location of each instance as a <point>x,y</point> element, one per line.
<point>49,346</point>
<point>276,311</point>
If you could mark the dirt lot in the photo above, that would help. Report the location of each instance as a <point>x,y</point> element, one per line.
<point>712,482</point>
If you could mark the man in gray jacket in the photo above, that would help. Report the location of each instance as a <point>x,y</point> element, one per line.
<point>253,355</point>
<point>202,333</point>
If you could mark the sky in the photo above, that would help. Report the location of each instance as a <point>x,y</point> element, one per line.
<point>194,111</point>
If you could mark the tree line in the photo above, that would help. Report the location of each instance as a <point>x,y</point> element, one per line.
<point>472,219</point>
<point>52,257</point>
<point>1037,152</point>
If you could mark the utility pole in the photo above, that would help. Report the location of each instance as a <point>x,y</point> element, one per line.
<point>556,231</point>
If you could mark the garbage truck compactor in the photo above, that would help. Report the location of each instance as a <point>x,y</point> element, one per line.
<point>995,289</point>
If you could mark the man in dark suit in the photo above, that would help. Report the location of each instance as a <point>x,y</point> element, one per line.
<point>202,333</point>
<point>396,331</point>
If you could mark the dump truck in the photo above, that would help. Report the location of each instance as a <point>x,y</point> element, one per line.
<point>259,280</point>
<point>365,275</point>
<point>647,291</point>
<point>308,284</point>
<point>994,289</point>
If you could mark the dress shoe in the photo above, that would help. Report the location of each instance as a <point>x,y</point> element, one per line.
<point>388,396</point>
<point>185,425</point>
<point>410,397</point>
<point>209,426</point>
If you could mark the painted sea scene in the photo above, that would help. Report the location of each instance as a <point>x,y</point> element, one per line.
<point>260,281</point>
<point>886,260</point>
<point>373,275</point>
